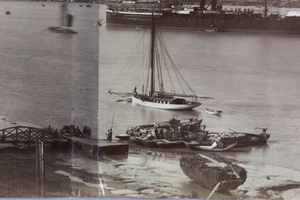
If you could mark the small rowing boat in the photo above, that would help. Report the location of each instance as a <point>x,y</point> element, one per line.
<point>123,136</point>
<point>214,147</point>
<point>212,111</point>
<point>210,30</point>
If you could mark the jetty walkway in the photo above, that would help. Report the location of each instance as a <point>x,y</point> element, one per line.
<point>68,135</point>
<point>28,135</point>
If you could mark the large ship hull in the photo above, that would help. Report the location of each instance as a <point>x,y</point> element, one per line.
<point>203,22</point>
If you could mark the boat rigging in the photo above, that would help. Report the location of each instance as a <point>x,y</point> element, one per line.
<point>156,96</point>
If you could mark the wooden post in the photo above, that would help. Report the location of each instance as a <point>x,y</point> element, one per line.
<point>37,166</point>
<point>40,168</point>
<point>17,133</point>
<point>29,136</point>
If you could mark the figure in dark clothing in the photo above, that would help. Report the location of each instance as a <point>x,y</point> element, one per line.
<point>84,131</point>
<point>161,134</point>
<point>55,134</point>
<point>78,132</point>
<point>3,136</point>
<point>109,135</point>
<point>55,137</point>
<point>156,133</point>
<point>88,132</point>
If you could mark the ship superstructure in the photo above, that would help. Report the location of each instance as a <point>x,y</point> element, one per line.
<point>203,15</point>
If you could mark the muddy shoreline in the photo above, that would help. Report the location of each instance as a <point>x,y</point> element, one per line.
<point>124,179</point>
<point>140,174</point>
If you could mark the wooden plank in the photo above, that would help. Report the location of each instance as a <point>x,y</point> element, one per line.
<point>236,174</point>
<point>94,142</point>
<point>213,191</point>
<point>101,146</point>
<point>220,164</point>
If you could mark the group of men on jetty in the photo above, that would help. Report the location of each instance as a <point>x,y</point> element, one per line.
<point>71,130</point>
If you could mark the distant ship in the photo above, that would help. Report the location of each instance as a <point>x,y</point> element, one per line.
<point>202,16</point>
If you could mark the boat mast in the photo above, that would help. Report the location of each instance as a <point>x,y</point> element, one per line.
<point>152,57</point>
<point>266,8</point>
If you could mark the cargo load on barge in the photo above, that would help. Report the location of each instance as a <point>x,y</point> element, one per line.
<point>192,134</point>
<point>201,15</point>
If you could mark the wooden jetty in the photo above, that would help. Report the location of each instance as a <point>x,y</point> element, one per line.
<point>28,135</point>
<point>101,147</point>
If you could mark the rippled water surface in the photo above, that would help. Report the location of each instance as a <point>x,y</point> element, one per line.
<point>48,78</point>
<point>254,78</point>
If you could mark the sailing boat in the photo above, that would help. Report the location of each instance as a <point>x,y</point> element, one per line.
<point>159,98</point>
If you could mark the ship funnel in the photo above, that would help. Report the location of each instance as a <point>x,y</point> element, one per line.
<point>65,18</point>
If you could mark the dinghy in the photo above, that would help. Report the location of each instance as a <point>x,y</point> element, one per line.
<point>214,147</point>
<point>123,136</point>
<point>212,111</point>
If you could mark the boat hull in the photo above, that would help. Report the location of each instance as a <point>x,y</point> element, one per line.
<point>164,106</point>
<point>247,140</point>
<point>150,143</point>
<point>209,172</point>
<point>166,144</point>
<point>213,112</point>
<point>138,140</point>
<point>216,149</point>
<point>123,136</point>
<point>204,22</point>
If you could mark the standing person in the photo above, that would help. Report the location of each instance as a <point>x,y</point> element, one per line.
<point>109,135</point>
<point>88,132</point>
<point>84,131</point>
<point>161,134</point>
<point>156,133</point>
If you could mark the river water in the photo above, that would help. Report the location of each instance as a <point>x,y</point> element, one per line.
<point>52,79</point>
<point>253,77</point>
<point>48,78</point>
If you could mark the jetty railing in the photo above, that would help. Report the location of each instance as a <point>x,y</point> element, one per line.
<point>28,135</point>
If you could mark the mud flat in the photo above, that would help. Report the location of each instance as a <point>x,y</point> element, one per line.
<point>269,182</point>
<point>143,173</point>
<point>156,174</point>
